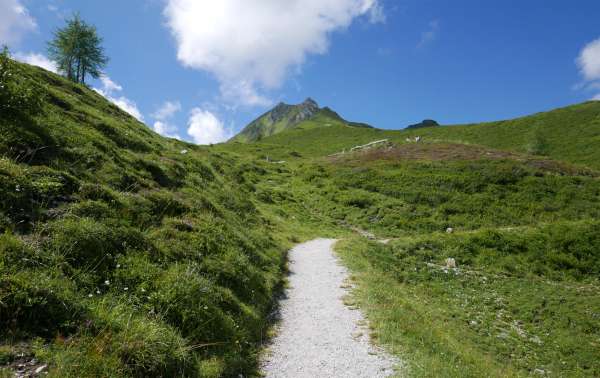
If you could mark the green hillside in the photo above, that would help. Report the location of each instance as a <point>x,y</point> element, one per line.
<point>571,134</point>
<point>284,117</point>
<point>126,254</point>
<point>522,223</point>
<point>123,253</point>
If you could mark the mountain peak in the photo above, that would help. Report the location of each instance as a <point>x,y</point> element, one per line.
<point>283,116</point>
<point>310,102</point>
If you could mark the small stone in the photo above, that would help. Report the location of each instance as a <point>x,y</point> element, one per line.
<point>450,263</point>
<point>41,369</point>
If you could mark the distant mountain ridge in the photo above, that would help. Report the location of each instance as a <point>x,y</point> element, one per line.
<point>284,117</point>
<point>422,124</point>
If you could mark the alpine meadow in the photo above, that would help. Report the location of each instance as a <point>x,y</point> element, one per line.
<point>307,243</point>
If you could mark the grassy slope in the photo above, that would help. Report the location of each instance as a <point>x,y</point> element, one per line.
<point>526,296</point>
<point>92,195</point>
<point>263,127</point>
<point>122,255</point>
<point>570,134</point>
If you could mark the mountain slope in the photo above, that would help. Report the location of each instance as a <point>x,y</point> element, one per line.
<point>126,254</point>
<point>123,253</point>
<point>570,134</point>
<point>285,117</point>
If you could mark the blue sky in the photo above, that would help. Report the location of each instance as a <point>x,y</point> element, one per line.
<point>202,69</point>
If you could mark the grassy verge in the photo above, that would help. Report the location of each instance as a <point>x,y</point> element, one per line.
<point>480,318</point>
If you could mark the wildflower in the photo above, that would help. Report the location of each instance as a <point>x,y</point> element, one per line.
<point>125,288</point>
<point>90,295</point>
<point>107,282</point>
<point>143,290</point>
<point>118,266</point>
<point>98,292</point>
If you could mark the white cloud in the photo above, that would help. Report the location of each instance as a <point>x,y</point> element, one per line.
<point>243,92</point>
<point>14,21</point>
<point>376,13</point>
<point>162,116</point>
<point>127,105</point>
<point>109,86</point>
<point>430,34</point>
<point>37,60</point>
<point>251,45</point>
<point>108,89</point>
<point>167,110</point>
<point>589,61</point>
<point>589,66</point>
<point>166,129</point>
<point>205,128</point>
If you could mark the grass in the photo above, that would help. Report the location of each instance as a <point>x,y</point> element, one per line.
<point>570,134</point>
<point>123,253</point>
<point>474,320</point>
<point>524,236</point>
<point>120,253</point>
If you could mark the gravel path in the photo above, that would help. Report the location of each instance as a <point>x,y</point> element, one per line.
<point>318,335</point>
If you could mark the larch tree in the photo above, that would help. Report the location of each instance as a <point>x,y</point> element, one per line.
<point>77,50</point>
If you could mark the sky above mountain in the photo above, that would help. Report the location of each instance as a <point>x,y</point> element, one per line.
<point>200,70</point>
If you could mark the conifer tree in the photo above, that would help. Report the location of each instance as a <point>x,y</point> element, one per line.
<point>77,50</point>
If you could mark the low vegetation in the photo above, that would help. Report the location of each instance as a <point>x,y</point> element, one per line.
<point>521,229</point>
<point>123,253</point>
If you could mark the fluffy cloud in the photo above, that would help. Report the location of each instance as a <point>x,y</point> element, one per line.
<point>589,61</point>
<point>14,21</point>
<point>162,118</point>
<point>37,60</point>
<point>127,105</point>
<point>589,65</point>
<point>167,110</point>
<point>205,128</point>
<point>108,90</point>
<point>108,85</point>
<point>166,129</point>
<point>251,45</point>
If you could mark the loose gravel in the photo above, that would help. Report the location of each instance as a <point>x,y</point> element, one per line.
<point>318,335</point>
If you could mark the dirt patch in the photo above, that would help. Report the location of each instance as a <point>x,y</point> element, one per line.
<point>457,152</point>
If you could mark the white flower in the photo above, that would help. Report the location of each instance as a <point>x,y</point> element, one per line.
<point>118,266</point>
<point>90,295</point>
<point>98,292</point>
<point>125,288</point>
<point>107,282</point>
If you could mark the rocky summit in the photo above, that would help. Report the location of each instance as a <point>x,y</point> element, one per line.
<point>280,118</point>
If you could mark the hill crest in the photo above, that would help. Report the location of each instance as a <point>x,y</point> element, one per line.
<point>285,117</point>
